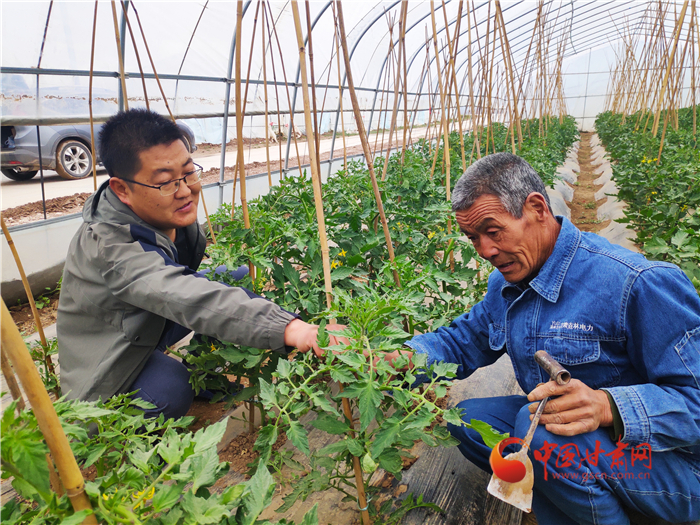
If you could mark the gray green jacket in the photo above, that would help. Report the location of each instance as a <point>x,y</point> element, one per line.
<point>121,281</point>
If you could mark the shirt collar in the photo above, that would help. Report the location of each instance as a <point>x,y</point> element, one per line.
<point>548,281</point>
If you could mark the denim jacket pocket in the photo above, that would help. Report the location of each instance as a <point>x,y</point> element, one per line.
<point>497,337</point>
<point>585,361</point>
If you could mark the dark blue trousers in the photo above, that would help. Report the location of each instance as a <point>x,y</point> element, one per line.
<point>576,485</point>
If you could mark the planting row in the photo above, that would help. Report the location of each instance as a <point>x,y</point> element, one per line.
<point>660,185</point>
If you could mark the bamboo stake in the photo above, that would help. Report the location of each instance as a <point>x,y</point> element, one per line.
<point>405,89</point>
<point>11,380</point>
<point>267,126</point>
<point>340,87</point>
<point>239,130</point>
<point>679,26</point>
<point>274,79</point>
<point>443,121</point>
<point>312,77</point>
<point>365,145</point>
<point>475,135</point>
<point>453,76</point>
<point>30,297</point>
<point>394,112</point>
<point>45,414</point>
<point>286,86</point>
<point>315,172</point>
<point>245,104</point>
<point>119,55</point>
<point>675,90</point>
<point>92,124</point>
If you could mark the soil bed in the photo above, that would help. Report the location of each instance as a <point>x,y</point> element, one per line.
<point>23,318</point>
<point>584,208</point>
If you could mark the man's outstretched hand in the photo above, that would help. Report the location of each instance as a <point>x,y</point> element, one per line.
<point>579,408</point>
<point>304,336</point>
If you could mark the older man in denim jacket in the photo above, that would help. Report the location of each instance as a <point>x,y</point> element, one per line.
<point>625,432</point>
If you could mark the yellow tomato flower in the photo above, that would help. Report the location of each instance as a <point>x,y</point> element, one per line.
<point>342,253</point>
<point>334,265</point>
<point>431,235</point>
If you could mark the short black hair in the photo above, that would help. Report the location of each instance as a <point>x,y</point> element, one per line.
<point>504,175</point>
<point>125,135</point>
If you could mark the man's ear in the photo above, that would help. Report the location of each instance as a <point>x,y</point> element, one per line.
<point>537,204</point>
<point>121,189</point>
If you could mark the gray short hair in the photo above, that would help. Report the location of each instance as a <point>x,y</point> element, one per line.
<point>504,175</point>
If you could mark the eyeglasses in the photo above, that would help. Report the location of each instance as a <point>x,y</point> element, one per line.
<point>171,187</point>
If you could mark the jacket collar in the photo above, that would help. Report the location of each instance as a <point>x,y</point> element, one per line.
<point>548,281</point>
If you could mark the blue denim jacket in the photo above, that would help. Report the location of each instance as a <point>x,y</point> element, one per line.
<point>615,320</point>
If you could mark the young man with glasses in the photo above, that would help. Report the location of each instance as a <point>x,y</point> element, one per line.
<point>130,283</point>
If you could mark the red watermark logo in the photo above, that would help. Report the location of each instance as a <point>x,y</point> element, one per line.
<point>512,470</point>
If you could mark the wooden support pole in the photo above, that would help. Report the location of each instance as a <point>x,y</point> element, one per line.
<point>239,128</point>
<point>49,424</point>
<point>30,297</point>
<point>365,144</point>
<point>340,88</point>
<point>267,124</point>
<point>397,80</point>
<point>245,102</point>
<point>11,380</point>
<point>679,27</point>
<point>315,173</point>
<point>312,76</point>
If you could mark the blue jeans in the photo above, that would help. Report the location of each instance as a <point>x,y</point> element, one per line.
<point>164,381</point>
<point>579,489</point>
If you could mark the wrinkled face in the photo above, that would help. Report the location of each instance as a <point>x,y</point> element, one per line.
<point>517,247</point>
<point>161,164</point>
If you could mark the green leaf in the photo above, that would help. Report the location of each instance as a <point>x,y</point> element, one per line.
<point>311,517</point>
<point>256,496</point>
<point>204,467</point>
<point>210,437</point>
<point>679,238</point>
<point>298,436</point>
<point>353,359</point>
<point>390,460</point>
<point>490,436</point>
<point>267,393</point>
<point>355,447</point>
<point>369,400</point>
<point>94,455</point>
<point>342,375</point>
<point>77,518</point>
<point>454,416</point>
<point>333,448</point>
<point>203,511</point>
<point>322,338</point>
<point>341,273</point>
<point>385,437</point>
<point>267,436</point>
<point>284,368</point>
<point>322,402</point>
<point>169,447</point>
<point>29,458</point>
<point>167,496</point>
<point>368,464</point>
<point>331,425</point>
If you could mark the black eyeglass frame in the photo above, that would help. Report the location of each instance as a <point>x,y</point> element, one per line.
<point>159,187</point>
